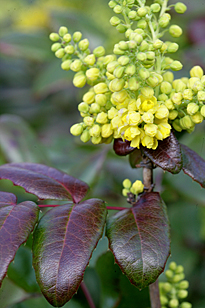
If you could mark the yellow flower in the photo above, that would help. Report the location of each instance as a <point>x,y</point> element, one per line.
<point>119,97</point>
<point>148,117</point>
<point>101,118</point>
<point>131,133</point>
<point>149,142</point>
<point>147,103</point>
<point>116,122</point>
<point>135,143</point>
<point>133,118</point>
<point>137,187</point>
<point>162,112</point>
<point>106,130</point>
<point>163,131</point>
<point>150,129</point>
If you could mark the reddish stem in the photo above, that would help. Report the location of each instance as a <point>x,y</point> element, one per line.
<point>116,208</point>
<point>48,205</point>
<point>87,295</point>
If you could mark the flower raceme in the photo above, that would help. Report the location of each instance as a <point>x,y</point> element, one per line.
<point>133,94</point>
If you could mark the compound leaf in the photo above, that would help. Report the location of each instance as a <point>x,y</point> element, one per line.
<point>44,182</point>
<point>17,221</point>
<point>167,155</point>
<point>63,243</point>
<point>139,239</point>
<point>193,165</point>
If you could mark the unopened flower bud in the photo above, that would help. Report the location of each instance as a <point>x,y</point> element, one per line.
<point>176,66</point>
<point>85,137</point>
<point>54,37</point>
<point>188,94</point>
<point>197,118</point>
<point>55,47</point>
<point>67,38</point>
<point>168,76</point>
<point>107,130</point>
<point>144,46</point>
<point>77,36</point>
<point>164,21</point>
<point>175,31</point>
<point>155,7</point>
<point>83,45</point>
<point>96,140</point>
<point>166,87</point>
<point>173,47</point>
<point>184,284</point>
<point>144,73</point>
<point>100,88</point>
<point>186,123</point>
<point>101,99</point>
<point>186,305</point>
<point>152,81</point>
<point>203,111</point>
<point>130,70</point>
<point>173,114</point>
<point>180,8</point>
<point>83,107</point>
<point>60,53</point>
<point>95,130</point>
<point>169,273</point>
<point>69,49</point>
<point>99,51</point>
<point>76,129</point>
<point>192,108</point>
<point>141,56</point>
<point>142,24</point>
<point>147,92</point>
<point>116,85</point>
<point>76,65</point>
<point>182,293</point>
<point>137,187</point>
<point>133,84</point>
<point>162,112</point>
<point>176,125</point>
<point>117,9</point>
<point>132,14</point>
<point>157,44</point>
<point>142,11</point>
<point>93,73</point>
<point>114,21</point>
<point>79,80</point>
<point>163,300</point>
<point>201,95</point>
<point>89,60</point>
<point>102,118</point>
<point>121,28</point>
<point>112,4</point>
<point>174,303</point>
<point>65,65</point>
<point>196,71</point>
<point>62,31</point>
<point>89,121</point>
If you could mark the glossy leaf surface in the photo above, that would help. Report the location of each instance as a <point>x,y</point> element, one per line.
<point>17,221</point>
<point>63,244</point>
<point>122,148</point>
<point>44,182</point>
<point>139,239</point>
<point>193,165</point>
<point>167,155</point>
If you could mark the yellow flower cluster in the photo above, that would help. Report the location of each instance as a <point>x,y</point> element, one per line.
<point>133,94</point>
<point>135,188</point>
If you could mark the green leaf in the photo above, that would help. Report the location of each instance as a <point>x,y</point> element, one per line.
<point>139,239</point>
<point>135,158</point>
<point>193,165</point>
<point>44,182</point>
<point>167,155</point>
<point>18,142</point>
<point>16,223</point>
<point>63,243</point>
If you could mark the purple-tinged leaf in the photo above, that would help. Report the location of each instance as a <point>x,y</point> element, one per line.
<point>135,158</point>
<point>63,243</point>
<point>44,182</point>
<point>167,155</point>
<point>122,148</point>
<point>139,239</point>
<point>17,221</point>
<point>193,165</point>
<point>7,198</point>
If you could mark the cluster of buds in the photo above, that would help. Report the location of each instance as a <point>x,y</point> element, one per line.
<point>135,188</point>
<point>133,94</point>
<point>174,290</point>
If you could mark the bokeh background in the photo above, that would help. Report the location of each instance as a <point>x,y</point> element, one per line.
<point>38,104</point>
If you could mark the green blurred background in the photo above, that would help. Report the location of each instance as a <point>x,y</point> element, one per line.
<point>38,104</point>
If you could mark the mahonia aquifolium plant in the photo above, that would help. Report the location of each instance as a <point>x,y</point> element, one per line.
<point>133,94</point>
<point>174,290</point>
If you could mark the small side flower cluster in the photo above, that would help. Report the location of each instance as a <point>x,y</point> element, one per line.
<point>133,94</point>
<point>135,188</point>
<point>174,290</point>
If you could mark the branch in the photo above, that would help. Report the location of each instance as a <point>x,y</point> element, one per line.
<point>148,183</point>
